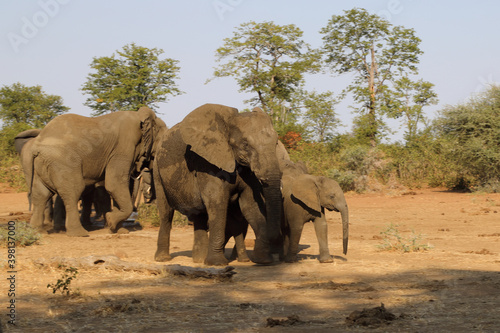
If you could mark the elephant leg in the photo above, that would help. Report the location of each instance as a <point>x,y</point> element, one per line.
<point>216,200</point>
<point>102,202</point>
<point>48,213</point>
<point>134,186</point>
<point>295,228</point>
<point>321,228</point>
<point>236,227</point>
<point>70,198</point>
<point>87,198</point>
<point>200,243</point>
<point>257,220</point>
<point>166,214</point>
<point>239,249</point>
<point>59,214</point>
<point>116,183</point>
<point>40,195</point>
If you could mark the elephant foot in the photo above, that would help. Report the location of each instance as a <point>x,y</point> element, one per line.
<point>263,259</point>
<point>162,256</point>
<point>199,254</point>
<point>291,259</point>
<point>326,259</point>
<point>216,260</point>
<point>243,258</point>
<point>122,231</point>
<point>115,227</point>
<point>261,255</point>
<point>77,233</point>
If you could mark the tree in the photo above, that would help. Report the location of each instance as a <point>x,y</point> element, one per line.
<point>270,61</point>
<point>136,77</point>
<point>407,100</point>
<point>320,117</point>
<point>21,105</point>
<point>472,130</point>
<point>376,52</point>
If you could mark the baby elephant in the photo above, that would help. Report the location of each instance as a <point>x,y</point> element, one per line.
<point>305,198</point>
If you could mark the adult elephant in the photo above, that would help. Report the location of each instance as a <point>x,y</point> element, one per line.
<point>305,198</point>
<point>24,137</point>
<point>22,141</point>
<point>195,172</point>
<point>74,151</point>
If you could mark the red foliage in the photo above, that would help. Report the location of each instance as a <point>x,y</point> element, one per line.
<point>291,140</point>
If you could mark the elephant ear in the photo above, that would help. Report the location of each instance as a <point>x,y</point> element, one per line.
<point>205,129</point>
<point>305,190</point>
<point>147,117</point>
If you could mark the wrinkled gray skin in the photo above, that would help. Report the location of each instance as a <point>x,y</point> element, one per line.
<point>195,172</point>
<point>54,213</point>
<point>249,208</point>
<point>305,198</point>
<point>21,142</point>
<point>73,152</point>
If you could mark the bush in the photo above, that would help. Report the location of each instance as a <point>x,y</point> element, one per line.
<point>420,163</point>
<point>346,179</point>
<point>148,214</point>
<point>357,159</point>
<point>11,172</point>
<point>317,157</point>
<point>351,166</point>
<point>21,232</point>
<point>394,241</point>
<point>63,284</point>
<point>471,132</point>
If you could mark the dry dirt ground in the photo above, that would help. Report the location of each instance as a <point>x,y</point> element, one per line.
<point>452,287</point>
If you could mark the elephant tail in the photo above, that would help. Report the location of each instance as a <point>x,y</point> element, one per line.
<point>30,187</point>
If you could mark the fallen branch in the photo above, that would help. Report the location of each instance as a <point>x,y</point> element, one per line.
<point>114,263</point>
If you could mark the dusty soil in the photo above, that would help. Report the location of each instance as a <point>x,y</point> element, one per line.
<point>452,287</point>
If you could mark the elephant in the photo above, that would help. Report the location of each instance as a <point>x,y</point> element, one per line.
<point>196,171</point>
<point>54,213</point>
<point>74,151</point>
<point>24,137</point>
<point>21,141</point>
<point>305,198</point>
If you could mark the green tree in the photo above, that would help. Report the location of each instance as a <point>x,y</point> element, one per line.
<point>135,77</point>
<point>24,107</point>
<point>269,61</point>
<point>407,99</point>
<point>320,118</point>
<point>472,131</point>
<point>376,53</point>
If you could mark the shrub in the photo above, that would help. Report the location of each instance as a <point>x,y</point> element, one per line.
<point>11,172</point>
<point>63,284</point>
<point>22,232</point>
<point>346,179</point>
<point>472,132</point>
<point>148,214</point>
<point>393,241</point>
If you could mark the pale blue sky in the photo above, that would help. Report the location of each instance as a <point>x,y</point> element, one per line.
<point>460,40</point>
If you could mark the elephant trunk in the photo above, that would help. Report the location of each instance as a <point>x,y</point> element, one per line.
<point>344,212</point>
<point>273,198</point>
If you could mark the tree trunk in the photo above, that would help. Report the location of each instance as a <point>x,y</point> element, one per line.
<point>372,119</point>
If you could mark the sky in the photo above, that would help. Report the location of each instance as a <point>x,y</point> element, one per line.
<point>52,43</point>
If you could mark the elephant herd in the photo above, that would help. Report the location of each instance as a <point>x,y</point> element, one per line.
<point>221,168</point>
